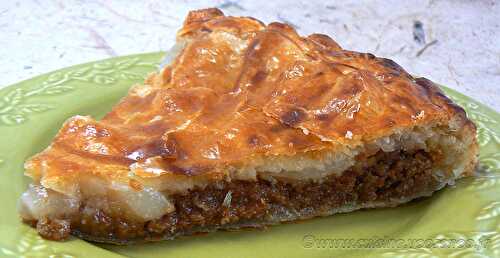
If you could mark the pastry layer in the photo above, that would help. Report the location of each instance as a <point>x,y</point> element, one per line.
<point>242,97</point>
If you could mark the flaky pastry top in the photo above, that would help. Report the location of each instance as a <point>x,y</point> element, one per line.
<point>241,90</point>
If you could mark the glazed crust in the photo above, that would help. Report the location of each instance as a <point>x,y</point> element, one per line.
<point>241,92</point>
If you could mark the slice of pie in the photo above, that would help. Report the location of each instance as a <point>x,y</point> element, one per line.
<point>250,125</point>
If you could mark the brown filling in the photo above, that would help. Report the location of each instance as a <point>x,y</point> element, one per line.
<point>380,177</point>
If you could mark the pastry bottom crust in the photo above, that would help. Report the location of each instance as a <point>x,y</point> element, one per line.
<point>381,180</point>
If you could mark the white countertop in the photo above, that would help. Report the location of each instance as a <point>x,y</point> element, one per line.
<point>462,37</point>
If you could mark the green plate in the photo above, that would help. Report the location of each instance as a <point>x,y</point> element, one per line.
<point>463,220</point>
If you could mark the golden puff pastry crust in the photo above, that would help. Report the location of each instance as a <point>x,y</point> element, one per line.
<point>248,103</point>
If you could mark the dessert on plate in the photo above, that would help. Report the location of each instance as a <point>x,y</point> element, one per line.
<point>250,125</point>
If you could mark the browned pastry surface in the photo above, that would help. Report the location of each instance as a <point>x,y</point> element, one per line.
<point>260,110</point>
<point>219,105</point>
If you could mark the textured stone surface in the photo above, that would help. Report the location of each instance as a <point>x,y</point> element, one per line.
<point>455,43</point>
